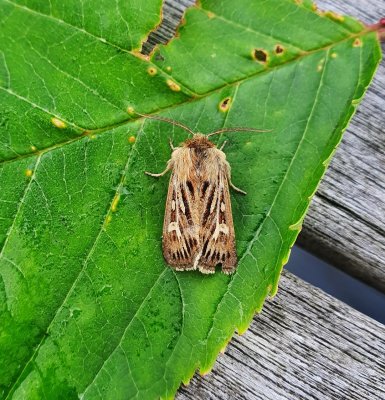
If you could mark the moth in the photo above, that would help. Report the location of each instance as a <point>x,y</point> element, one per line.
<point>198,229</point>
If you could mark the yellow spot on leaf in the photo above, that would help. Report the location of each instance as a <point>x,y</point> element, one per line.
<point>130,110</point>
<point>33,148</point>
<point>168,69</point>
<point>108,219</point>
<point>172,85</point>
<point>210,14</point>
<point>58,123</point>
<point>320,65</point>
<point>357,43</point>
<point>28,173</point>
<point>115,202</point>
<point>334,16</point>
<point>131,139</point>
<point>152,71</point>
<point>334,55</point>
<point>297,226</point>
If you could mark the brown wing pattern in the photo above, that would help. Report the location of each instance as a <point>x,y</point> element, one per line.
<point>217,236</point>
<point>181,225</point>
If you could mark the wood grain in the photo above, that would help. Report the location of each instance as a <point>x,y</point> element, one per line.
<point>346,221</point>
<point>304,345</point>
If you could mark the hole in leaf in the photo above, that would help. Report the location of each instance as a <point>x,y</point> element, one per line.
<point>224,105</point>
<point>159,57</point>
<point>279,49</point>
<point>260,55</point>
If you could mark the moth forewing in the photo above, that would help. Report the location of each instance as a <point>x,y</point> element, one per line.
<point>198,230</point>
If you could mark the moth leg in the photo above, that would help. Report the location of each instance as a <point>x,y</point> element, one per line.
<point>223,145</point>
<point>237,189</point>
<point>158,175</point>
<point>171,144</point>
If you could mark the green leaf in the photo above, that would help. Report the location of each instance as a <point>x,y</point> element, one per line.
<point>88,306</point>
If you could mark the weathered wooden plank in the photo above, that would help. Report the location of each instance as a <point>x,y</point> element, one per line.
<point>346,221</point>
<point>304,345</point>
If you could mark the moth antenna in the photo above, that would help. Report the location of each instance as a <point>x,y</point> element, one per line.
<point>168,120</point>
<point>238,129</point>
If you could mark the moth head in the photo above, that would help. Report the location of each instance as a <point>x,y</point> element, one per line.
<point>199,140</point>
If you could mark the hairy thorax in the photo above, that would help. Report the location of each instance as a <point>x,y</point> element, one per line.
<point>198,160</point>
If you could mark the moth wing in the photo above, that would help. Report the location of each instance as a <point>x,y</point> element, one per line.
<point>217,234</point>
<point>181,225</point>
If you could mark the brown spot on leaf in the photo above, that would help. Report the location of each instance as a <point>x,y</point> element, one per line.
<point>279,49</point>
<point>260,55</point>
<point>131,139</point>
<point>225,104</point>
<point>357,43</point>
